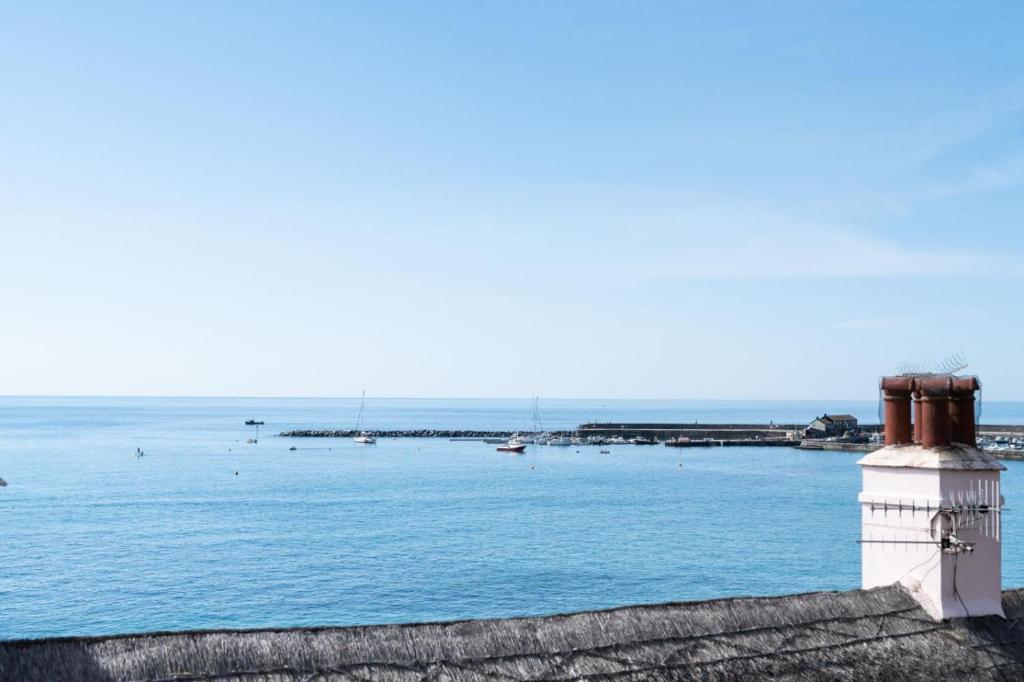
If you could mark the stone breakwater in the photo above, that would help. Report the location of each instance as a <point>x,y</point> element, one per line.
<point>406,433</point>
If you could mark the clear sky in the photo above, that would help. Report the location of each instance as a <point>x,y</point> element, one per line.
<point>570,199</point>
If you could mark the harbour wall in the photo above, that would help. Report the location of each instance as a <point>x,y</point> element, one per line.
<point>694,431</point>
<point>408,433</point>
<point>738,434</point>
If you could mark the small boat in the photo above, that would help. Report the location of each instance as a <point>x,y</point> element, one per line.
<point>606,452</point>
<point>252,441</point>
<point>562,441</point>
<point>253,422</point>
<point>293,448</point>
<point>513,445</point>
<point>363,437</point>
<point>641,440</point>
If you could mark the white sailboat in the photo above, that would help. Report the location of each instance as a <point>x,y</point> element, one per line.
<point>362,436</point>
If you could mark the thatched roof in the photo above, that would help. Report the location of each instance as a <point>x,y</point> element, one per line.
<point>871,634</point>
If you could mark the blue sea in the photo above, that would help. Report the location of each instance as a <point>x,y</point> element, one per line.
<point>209,531</point>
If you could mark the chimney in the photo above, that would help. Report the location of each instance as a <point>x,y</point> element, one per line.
<point>896,391</point>
<point>961,410</point>
<point>931,509</point>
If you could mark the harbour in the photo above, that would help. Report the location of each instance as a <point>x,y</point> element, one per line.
<point>400,526</point>
<point>205,536</point>
<point>1005,441</point>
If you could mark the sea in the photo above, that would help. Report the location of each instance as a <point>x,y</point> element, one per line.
<point>208,530</point>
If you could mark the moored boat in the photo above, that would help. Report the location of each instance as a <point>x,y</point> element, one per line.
<point>513,445</point>
<point>364,437</point>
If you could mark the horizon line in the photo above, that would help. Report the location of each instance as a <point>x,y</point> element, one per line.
<point>430,397</point>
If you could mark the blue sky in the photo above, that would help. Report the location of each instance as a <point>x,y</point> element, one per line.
<point>573,199</point>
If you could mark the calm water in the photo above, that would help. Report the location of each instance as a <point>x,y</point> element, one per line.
<point>96,541</point>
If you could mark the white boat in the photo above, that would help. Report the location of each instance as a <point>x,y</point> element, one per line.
<point>561,441</point>
<point>364,437</point>
<point>514,445</point>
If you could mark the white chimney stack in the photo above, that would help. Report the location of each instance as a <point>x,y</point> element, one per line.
<point>931,511</point>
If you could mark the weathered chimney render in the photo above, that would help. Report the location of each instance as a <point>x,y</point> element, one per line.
<point>931,508</point>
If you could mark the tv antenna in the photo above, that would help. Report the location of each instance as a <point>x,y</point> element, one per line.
<point>948,365</point>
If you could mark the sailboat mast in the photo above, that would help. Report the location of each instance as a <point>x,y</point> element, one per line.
<point>362,406</point>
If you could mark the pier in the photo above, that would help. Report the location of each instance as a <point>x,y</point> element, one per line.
<point>693,431</point>
<point>454,434</point>
<point>692,435</point>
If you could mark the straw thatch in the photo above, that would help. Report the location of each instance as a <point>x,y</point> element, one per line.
<point>872,634</point>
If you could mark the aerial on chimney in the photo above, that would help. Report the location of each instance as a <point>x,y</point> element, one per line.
<point>931,508</point>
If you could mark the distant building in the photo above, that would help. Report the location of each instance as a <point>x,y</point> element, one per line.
<point>832,425</point>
